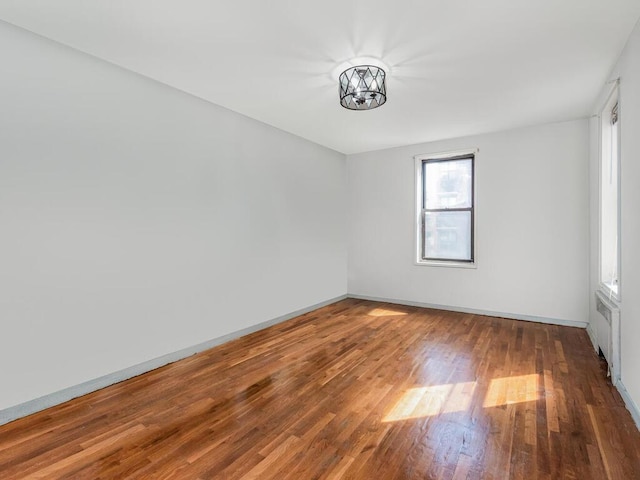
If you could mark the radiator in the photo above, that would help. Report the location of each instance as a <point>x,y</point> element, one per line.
<point>609,340</point>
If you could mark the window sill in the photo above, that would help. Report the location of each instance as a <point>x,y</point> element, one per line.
<point>611,292</point>
<point>436,263</point>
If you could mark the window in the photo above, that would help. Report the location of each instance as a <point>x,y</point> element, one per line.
<point>445,209</point>
<point>609,196</point>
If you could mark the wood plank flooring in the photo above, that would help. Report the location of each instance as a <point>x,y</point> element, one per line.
<point>355,390</point>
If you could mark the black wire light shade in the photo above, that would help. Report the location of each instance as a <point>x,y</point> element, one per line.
<point>362,87</point>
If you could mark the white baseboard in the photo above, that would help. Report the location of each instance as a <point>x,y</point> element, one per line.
<point>489,313</point>
<point>592,336</point>
<point>32,406</point>
<point>630,404</point>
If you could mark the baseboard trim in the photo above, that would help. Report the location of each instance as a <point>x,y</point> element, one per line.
<point>592,337</point>
<point>32,406</point>
<point>488,313</point>
<point>629,403</point>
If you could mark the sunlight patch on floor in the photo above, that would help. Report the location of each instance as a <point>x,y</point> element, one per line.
<point>421,402</point>
<point>510,390</point>
<point>385,312</point>
<point>429,401</point>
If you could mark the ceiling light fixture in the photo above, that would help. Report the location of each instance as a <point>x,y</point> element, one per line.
<point>362,87</point>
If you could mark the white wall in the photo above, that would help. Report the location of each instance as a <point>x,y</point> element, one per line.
<point>137,220</point>
<point>628,69</point>
<point>532,225</point>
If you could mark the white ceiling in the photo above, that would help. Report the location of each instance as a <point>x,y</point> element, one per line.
<point>457,67</point>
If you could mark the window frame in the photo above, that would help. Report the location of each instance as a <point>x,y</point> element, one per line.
<point>611,100</point>
<point>420,162</point>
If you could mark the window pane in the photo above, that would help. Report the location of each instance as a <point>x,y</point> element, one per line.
<point>447,184</point>
<point>609,207</point>
<point>447,235</point>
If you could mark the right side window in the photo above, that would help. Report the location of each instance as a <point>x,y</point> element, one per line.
<point>609,196</point>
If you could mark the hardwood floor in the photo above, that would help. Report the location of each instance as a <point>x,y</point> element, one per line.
<point>355,390</point>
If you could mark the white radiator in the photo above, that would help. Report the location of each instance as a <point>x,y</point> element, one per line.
<point>609,334</point>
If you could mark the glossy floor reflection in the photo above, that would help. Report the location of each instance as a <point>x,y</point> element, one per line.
<point>355,390</point>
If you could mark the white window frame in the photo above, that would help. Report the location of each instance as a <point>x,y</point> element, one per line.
<point>419,192</point>
<point>604,118</point>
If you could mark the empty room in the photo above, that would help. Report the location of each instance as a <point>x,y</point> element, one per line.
<point>303,240</point>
